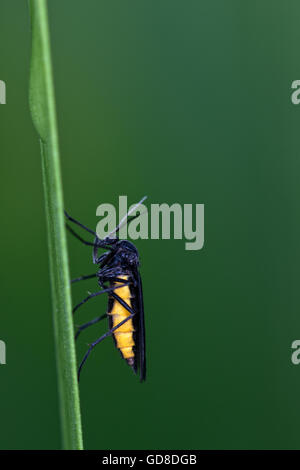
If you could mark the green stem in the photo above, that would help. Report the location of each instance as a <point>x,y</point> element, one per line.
<point>42,105</point>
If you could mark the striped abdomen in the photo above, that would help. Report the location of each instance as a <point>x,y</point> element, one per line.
<point>124,334</point>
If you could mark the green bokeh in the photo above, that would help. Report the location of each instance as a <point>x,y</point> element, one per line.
<point>186,102</point>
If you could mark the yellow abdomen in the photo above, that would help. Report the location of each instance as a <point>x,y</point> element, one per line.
<point>124,334</point>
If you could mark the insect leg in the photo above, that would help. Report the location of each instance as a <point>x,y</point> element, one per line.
<point>82,278</point>
<point>121,301</point>
<point>86,325</point>
<point>119,279</point>
<point>108,333</point>
<point>94,294</point>
<point>116,296</point>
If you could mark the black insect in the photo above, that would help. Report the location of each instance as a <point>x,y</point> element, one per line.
<point>118,276</point>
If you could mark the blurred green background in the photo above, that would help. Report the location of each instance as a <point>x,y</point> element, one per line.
<point>186,102</point>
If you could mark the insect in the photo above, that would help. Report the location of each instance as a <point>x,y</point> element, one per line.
<point>118,276</point>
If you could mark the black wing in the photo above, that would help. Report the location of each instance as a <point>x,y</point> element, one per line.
<point>139,325</point>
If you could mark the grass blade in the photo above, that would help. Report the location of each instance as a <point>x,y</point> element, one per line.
<point>42,105</point>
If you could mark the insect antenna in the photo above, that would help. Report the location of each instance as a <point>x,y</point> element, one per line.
<point>78,236</point>
<point>111,240</point>
<point>79,223</point>
<point>126,217</point>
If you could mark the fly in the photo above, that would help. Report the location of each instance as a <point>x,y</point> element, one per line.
<point>118,276</point>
